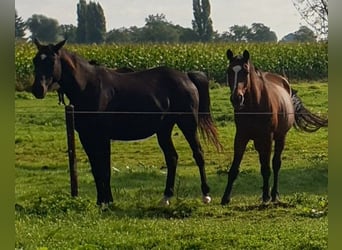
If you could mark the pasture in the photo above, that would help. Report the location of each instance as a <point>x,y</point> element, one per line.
<point>46,217</point>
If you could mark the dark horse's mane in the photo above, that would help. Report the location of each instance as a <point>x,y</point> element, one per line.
<point>94,63</point>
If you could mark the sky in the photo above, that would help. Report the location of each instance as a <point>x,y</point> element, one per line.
<point>279,15</point>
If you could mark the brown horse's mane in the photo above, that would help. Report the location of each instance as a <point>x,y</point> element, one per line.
<point>264,93</point>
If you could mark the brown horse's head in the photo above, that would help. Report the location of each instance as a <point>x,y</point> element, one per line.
<point>238,77</point>
<point>47,67</point>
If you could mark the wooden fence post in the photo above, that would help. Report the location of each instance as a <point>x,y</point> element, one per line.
<point>70,128</point>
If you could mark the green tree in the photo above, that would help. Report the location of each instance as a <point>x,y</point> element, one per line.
<point>238,33</point>
<point>69,32</point>
<point>121,35</point>
<point>187,35</point>
<point>202,23</point>
<point>20,27</point>
<point>96,23</point>
<point>303,34</point>
<point>43,28</point>
<point>315,14</point>
<point>81,32</point>
<point>91,23</point>
<point>158,29</point>
<point>261,33</point>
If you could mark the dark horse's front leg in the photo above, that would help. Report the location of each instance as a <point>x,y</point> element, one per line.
<point>98,151</point>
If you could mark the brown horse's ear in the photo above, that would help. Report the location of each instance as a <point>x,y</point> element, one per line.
<point>37,43</point>
<point>229,54</point>
<point>246,55</point>
<point>59,45</point>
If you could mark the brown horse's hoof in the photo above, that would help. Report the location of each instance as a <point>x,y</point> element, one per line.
<point>265,198</point>
<point>165,202</point>
<point>225,201</point>
<point>276,200</point>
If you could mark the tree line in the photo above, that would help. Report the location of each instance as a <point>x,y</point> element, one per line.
<point>91,28</point>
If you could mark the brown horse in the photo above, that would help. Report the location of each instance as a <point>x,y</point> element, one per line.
<point>265,108</point>
<point>128,106</point>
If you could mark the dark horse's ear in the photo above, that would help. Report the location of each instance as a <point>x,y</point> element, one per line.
<point>229,54</point>
<point>37,43</point>
<point>59,45</point>
<point>246,55</point>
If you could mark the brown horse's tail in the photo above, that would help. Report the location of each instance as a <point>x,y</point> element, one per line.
<point>304,119</point>
<point>206,123</point>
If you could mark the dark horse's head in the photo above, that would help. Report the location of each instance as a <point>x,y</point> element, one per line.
<point>47,67</point>
<point>237,78</point>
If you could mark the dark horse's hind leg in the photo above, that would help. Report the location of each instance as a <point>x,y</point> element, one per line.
<point>240,144</point>
<point>189,129</point>
<point>276,164</point>
<point>98,151</point>
<point>171,159</point>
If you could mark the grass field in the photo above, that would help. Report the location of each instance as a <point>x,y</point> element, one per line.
<point>46,217</point>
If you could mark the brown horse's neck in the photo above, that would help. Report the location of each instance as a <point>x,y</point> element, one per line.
<point>255,87</point>
<point>264,95</point>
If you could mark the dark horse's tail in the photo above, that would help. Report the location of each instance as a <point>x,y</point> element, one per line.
<point>304,119</point>
<point>206,123</point>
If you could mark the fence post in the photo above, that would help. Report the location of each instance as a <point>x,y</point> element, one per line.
<point>70,128</point>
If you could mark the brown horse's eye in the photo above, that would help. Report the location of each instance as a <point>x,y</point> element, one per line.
<point>246,67</point>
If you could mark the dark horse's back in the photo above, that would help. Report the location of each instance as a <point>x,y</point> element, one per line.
<point>136,105</point>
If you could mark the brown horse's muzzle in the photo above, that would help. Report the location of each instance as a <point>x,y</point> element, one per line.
<point>237,101</point>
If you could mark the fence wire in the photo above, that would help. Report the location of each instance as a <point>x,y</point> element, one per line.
<point>170,113</point>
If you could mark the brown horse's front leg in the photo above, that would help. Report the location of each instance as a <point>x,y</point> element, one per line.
<point>276,164</point>
<point>263,145</point>
<point>240,144</point>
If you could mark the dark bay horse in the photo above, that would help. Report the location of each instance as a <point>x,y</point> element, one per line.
<point>60,92</point>
<point>128,106</point>
<point>265,108</point>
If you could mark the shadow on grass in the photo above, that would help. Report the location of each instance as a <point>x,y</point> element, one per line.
<point>137,194</point>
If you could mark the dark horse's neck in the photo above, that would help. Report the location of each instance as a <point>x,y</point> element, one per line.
<point>74,75</point>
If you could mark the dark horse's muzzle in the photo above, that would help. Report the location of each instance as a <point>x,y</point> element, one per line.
<point>39,88</point>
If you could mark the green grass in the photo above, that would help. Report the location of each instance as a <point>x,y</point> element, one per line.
<point>46,217</point>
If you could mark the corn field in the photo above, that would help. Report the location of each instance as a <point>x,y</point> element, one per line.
<point>298,61</point>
